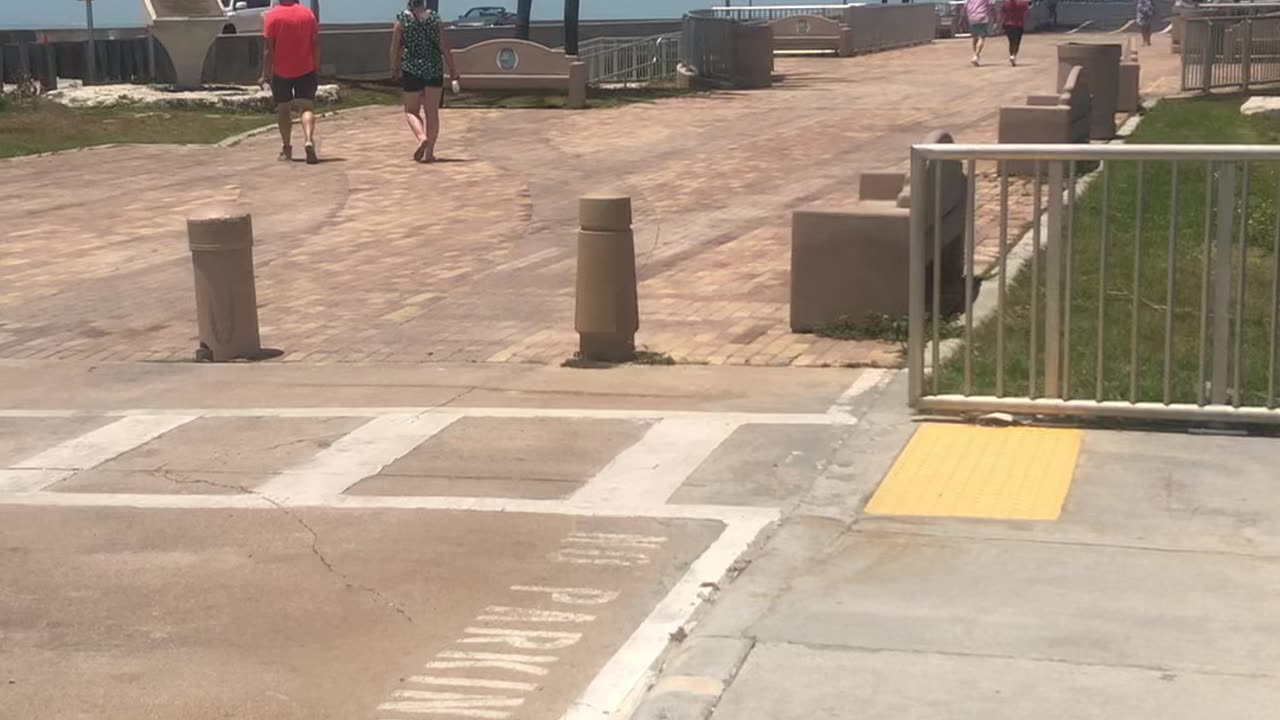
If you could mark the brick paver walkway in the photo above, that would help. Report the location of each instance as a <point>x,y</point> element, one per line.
<point>370,257</point>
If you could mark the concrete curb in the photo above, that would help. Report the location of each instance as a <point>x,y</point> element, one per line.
<point>694,679</point>
<point>696,676</point>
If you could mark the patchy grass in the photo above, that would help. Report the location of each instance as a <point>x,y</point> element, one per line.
<point>1208,121</point>
<point>36,126</point>
<point>649,357</point>
<point>877,326</point>
<point>642,357</point>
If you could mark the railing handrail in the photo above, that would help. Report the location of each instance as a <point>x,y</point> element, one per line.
<point>1098,152</point>
<point>633,43</point>
<point>744,9</point>
<point>1232,18</point>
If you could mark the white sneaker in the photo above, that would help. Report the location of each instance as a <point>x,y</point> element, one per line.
<point>976,62</point>
<point>1013,60</point>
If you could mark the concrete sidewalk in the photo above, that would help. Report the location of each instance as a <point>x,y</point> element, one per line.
<point>363,541</point>
<point>1151,596</point>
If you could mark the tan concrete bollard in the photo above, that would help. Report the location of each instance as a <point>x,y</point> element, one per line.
<point>226,299</point>
<point>608,313</point>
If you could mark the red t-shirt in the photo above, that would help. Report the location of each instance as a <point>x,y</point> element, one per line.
<point>1014,13</point>
<point>293,28</point>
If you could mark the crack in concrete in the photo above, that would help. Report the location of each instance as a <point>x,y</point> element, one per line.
<point>315,536</point>
<point>1070,662</point>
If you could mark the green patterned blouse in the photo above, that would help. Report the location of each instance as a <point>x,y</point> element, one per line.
<point>421,56</point>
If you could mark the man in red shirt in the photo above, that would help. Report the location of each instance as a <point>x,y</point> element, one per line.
<point>291,54</point>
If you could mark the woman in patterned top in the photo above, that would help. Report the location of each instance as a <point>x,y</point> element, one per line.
<point>1146,16</point>
<point>419,53</point>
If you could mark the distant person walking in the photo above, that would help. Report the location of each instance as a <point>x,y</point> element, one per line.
<point>1146,17</point>
<point>1013,16</point>
<point>420,52</point>
<point>291,55</point>
<point>978,13</point>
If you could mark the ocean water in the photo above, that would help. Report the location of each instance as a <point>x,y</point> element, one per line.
<point>33,14</point>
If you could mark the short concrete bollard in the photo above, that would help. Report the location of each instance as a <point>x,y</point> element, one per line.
<point>226,298</point>
<point>608,313</point>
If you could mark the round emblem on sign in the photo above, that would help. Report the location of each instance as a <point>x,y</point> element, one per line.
<point>802,26</point>
<point>508,59</point>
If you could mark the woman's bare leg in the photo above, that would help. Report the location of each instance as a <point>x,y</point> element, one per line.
<point>431,106</point>
<point>413,115</point>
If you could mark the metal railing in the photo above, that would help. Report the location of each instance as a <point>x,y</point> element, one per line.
<point>774,12</point>
<point>1230,52</point>
<point>631,61</point>
<point>1147,289</point>
<point>708,44</point>
<point>119,58</point>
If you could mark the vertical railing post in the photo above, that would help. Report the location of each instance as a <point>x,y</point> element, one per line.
<point>152,74</point>
<point>1206,55</point>
<point>1053,286</point>
<point>1222,284</point>
<point>1246,55</point>
<point>916,281</point>
<point>91,69</point>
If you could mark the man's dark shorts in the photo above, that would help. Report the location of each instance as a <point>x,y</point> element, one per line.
<point>286,90</point>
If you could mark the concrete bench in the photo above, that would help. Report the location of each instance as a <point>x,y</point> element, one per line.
<point>811,33</point>
<point>852,262</point>
<point>1054,119</point>
<point>522,65</point>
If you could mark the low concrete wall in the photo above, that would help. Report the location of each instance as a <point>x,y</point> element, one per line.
<point>884,27</point>
<point>809,33</point>
<point>522,65</point>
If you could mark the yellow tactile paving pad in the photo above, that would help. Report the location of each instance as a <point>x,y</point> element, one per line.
<point>977,472</point>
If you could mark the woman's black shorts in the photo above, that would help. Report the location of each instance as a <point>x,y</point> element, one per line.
<point>413,83</point>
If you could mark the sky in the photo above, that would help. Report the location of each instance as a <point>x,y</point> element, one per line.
<point>39,14</point>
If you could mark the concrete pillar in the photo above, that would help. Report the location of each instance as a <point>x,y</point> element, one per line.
<point>1130,89</point>
<point>753,56</point>
<point>1101,63</point>
<point>608,313</point>
<point>226,298</point>
<point>577,84</point>
<point>49,67</point>
<point>188,42</point>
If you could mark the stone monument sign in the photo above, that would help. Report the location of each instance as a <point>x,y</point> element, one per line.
<point>187,29</point>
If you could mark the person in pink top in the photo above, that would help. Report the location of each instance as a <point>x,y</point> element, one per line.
<point>978,13</point>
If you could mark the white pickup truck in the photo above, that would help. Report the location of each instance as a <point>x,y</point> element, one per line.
<point>244,16</point>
